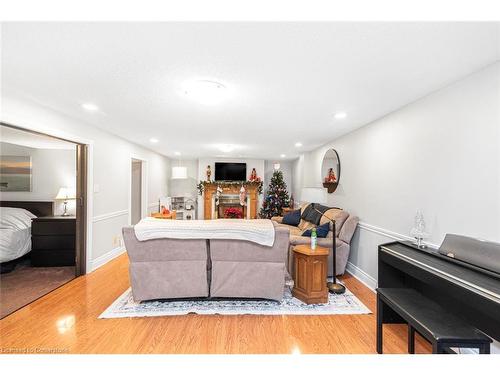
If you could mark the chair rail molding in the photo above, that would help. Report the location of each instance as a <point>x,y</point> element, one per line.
<point>390,234</point>
<point>109,215</point>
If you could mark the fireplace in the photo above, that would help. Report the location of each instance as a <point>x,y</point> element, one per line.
<point>229,207</point>
<point>229,198</point>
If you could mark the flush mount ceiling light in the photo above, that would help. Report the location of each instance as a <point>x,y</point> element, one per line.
<point>206,92</point>
<point>340,115</point>
<point>226,147</point>
<point>177,153</point>
<point>282,156</point>
<point>91,107</point>
<point>298,144</point>
<point>153,140</point>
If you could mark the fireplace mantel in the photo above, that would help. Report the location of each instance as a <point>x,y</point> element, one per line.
<point>210,188</point>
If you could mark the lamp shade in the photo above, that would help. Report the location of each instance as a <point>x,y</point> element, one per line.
<point>179,172</point>
<point>66,193</point>
<point>313,195</point>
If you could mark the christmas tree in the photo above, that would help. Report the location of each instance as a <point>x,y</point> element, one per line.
<point>276,197</point>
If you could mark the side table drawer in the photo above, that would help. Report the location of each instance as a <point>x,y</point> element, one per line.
<point>51,228</point>
<point>52,242</point>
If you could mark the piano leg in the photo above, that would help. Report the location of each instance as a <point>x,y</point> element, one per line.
<point>411,339</point>
<point>379,325</point>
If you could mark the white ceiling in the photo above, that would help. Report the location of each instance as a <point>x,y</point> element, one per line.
<point>31,140</point>
<point>286,79</point>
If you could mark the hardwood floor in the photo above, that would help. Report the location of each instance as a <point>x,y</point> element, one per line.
<point>66,321</point>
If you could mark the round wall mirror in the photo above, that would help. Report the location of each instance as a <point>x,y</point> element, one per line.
<point>330,170</point>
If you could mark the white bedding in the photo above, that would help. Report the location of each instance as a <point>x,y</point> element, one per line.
<point>15,233</point>
<point>258,231</point>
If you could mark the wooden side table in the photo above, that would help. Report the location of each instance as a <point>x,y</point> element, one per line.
<point>172,215</point>
<point>310,274</point>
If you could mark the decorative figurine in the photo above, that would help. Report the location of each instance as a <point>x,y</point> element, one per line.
<point>292,203</point>
<point>418,231</point>
<point>209,173</point>
<point>331,176</point>
<point>253,175</point>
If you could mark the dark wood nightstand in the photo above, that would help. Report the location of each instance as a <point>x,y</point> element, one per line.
<point>53,241</point>
<point>310,274</point>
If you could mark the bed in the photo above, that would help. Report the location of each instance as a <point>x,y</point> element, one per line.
<point>15,229</point>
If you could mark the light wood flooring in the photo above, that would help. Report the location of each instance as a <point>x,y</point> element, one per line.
<point>66,321</point>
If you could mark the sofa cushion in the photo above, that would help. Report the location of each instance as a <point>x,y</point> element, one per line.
<point>304,225</point>
<point>292,218</point>
<point>337,214</point>
<point>321,231</point>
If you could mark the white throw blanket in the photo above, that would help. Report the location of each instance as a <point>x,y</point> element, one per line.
<point>258,231</point>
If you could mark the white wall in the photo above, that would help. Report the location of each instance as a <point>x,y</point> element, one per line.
<point>111,169</point>
<point>440,154</point>
<point>51,169</point>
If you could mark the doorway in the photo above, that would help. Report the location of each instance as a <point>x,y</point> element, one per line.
<point>44,192</point>
<point>135,191</point>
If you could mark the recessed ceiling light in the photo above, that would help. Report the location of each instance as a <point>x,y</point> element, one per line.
<point>283,155</point>
<point>298,144</point>
<point>340,115</point>
<point>226,147</point>
<point>177,153</point>
<point>206,92</point>
<point>153,140</point>
<point>91,107</point>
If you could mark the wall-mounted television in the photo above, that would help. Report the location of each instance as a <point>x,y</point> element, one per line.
<point>230,171</point>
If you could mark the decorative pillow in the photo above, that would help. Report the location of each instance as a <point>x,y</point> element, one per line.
<point>292,218</point>
<point>313,213</point>
<point>321,231</point>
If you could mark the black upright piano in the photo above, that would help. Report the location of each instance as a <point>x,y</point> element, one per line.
<point>468,291</point>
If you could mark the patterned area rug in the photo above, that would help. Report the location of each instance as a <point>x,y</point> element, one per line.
<point>125,307</point>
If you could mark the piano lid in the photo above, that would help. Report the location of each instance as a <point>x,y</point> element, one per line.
<point>480,253</point>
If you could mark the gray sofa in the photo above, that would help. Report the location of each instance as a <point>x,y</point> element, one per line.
<point>345,226</point>
<point>174,268</point>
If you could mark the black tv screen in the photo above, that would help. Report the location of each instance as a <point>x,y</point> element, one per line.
<point>230,171</point>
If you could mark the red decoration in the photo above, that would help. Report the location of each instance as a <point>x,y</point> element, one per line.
<point>233,213</point>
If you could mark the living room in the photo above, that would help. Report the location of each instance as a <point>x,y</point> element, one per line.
<point>326,187</point>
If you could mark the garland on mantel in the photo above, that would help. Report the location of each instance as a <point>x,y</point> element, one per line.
<point>201,185</point>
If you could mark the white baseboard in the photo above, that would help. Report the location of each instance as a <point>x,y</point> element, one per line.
<point>105,258</point>
<point>362,276</point>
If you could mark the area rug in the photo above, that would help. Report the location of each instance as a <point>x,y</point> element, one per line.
<point>125,307</point>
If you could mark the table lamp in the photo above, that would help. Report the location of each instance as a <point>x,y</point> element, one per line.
<point>65,194</point>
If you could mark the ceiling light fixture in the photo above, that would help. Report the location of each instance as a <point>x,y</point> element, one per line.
<point>153,140</point>
<point>226,148</point>
<point>298,144</point>
<point>283,156</point>
<point>91,107</point>
<point>340,115</point>
<point>206,92</point>
<point>177,153</point>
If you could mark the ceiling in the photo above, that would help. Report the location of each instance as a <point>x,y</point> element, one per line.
<point>286,80</point>
<point>32,140</point>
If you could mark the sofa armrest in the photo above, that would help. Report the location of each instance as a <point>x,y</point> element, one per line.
<point>277,219</point>
<point>348,229</point>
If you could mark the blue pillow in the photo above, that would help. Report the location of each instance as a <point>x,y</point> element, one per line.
<point>321,231</point>
<point>292,218</point>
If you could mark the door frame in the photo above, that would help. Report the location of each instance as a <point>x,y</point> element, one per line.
<point>144,187</point>
<point>85,264</point>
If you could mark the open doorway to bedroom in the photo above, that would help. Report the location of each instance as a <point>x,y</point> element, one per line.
<point>42,215</point>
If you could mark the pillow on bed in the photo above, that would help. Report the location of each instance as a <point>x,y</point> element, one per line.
<point>292,218</point>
